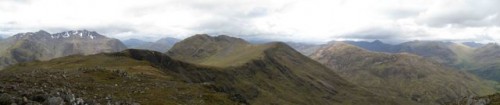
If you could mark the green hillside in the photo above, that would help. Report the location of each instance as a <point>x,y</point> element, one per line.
<point>405,76</point>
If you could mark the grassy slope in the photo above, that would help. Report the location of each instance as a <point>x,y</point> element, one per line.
<point>154,78</point>
<point>278,69</point>
<point>95,77</point>
<point>400,75</point>
<point>435,50</point>
<point>487,62</point>
<point>221,51</point>
<point>464,56</point>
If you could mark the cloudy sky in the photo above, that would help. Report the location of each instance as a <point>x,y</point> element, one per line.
<point>284,20</point>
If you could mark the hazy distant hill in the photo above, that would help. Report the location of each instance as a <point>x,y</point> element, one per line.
<point>376,45</point>
<point>134,42</point>
<point>42,45</point>
<point>241,73</point>
<point>477,58</point>
<point>458,55</point>
<point>162,45</point>
<point>303,48</point>
<point>486,61</point>
<point>473,44</point>
<point>405,76</point>
<point>435,50</point>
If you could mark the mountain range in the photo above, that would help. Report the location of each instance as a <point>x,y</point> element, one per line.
<point>304,48</point>
<point>486,61</point>
<point>84,67</point>
<point>403,75</point>
<point>480,59</point>
<point>271,73</point>
<point>41,45</point>
<point>161,45</point>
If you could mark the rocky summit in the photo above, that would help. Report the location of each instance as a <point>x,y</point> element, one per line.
<point>41,45</point>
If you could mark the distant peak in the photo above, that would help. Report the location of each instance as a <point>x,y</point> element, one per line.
<point>42,32</point>
<point>343,46</point>
<point>377,42</point>
<point>31,34</point>
<point>337,42</point>
<point>224,36</point>
<point>169,39</point>
<point>473,44</point>
<point>278,44</point>
<point>201,35</point>
<point>77,34</point>
<point>495,45</point>
<point>133,39</point>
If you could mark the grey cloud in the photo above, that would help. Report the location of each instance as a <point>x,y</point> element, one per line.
<point>227,26</point>
<point>403,13</point>
<point>472,13</point>
<point>112,29</point>
<point>240,18</point>
<point>232,9</point>
<point>386,34</point>
<point>373,33</point>
<point>398,35</point>
<point>13,5</point>
<point>484,37</point>
<point>217,8</point>
<point>17,1</point>
<point>226,17</point>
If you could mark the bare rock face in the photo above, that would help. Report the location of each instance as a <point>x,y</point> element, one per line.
<point>42,45</point>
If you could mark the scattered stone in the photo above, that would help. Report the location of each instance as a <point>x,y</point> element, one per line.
<point>6,99</point>
<point>79,101</point>
<point>69,98</point>
<point>55,101</point>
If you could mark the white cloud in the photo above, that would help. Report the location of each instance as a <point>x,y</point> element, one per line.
<point>298,20</point>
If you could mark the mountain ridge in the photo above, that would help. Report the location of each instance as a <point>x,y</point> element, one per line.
<point>42,45</point>
<point>161,45</point>
<point>401,76</point>
<point>263,81</point>
<point>274,61</point>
